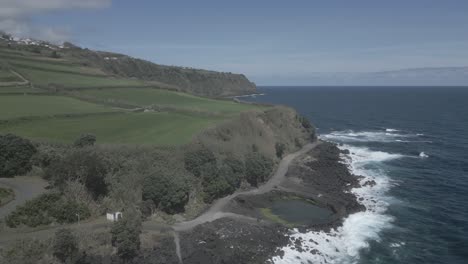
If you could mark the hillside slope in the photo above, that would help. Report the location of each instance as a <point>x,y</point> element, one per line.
<point>195,81</point>
<point>119,66</point>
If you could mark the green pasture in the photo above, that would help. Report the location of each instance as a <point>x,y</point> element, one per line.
<point>165,98</point>
<point>17,106</point>
<point>153,128</point>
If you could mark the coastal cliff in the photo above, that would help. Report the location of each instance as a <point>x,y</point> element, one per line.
<point>190,80</point>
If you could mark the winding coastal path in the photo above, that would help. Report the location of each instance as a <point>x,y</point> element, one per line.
<point>215,211</point>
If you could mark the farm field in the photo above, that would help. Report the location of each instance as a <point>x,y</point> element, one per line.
<point>153,128</point>
<point>44,78</point>
<point>19,89</point>
<point>54,66</point>
<point>17,106</point>
<point>7,76</point>
<point>57,117</point>
<point>165,98</point>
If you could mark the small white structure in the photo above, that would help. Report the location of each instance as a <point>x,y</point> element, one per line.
<point>116,216</point>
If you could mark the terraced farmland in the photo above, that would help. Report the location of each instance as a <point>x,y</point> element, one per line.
<point>164,98</point>
<point>78,99</point>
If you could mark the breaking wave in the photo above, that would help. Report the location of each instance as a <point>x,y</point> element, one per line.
<point>343,244</point>
<point>389,135</point>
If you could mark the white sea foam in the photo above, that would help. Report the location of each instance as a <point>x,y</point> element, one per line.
<point>365,136</point>
<point>342,245</point>
<point>423,155</point>
<point>391,130</point>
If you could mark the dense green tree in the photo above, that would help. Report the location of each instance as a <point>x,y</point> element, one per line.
<point>85,140</point>
<point>237,165</point>
<point>84,165</point>
<point>168,191</point>
<point>15,155</point>
<point>126,235</point>
<point>257,168</point>
<point>65,246</point>
<point>46,209</point>
<point>233,179</point>
<point>214,183</point>
<point>196,159</point>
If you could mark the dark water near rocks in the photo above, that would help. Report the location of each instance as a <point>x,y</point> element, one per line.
<point>301,212</point>
<point>414,142</point>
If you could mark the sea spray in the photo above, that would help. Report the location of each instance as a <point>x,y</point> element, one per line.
<point>343,244</point>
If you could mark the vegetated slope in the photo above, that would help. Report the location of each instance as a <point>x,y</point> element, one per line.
<point>262,131</point>
<point>111,69</point>
<point>195,81</point>
<point>57,73</point>
<point>62,96</point>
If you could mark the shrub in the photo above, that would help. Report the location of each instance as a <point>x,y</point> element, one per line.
<point>68,211</point>
<point>168,191</point>
<point>85,140</point>
<point>279,147</point>
<point>126,236</point>
<point>305,122</point>
<point>257,168</point>
<point>83,165</point>
<point>65,247</point>
<point>46,209</point>
<point>15,155</point>
<point>195,160</point>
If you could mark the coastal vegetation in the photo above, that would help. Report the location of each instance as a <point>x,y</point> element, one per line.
<point>108,138</point>
<point>15,155</point>
<point>6,195</point>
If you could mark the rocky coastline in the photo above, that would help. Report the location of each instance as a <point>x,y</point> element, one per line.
<point>318,177</point>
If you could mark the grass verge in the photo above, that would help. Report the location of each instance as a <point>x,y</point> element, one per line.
<point>6,196</point>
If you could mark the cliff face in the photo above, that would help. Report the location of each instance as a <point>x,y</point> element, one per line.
<point>261,130</point>
<point>194,81</point>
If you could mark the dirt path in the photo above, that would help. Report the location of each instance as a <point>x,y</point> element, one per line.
<point>216,210</point>
<point>23,82</point>
<point>25,188</point>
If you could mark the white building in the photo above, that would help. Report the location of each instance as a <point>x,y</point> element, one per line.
<point>116,216</point>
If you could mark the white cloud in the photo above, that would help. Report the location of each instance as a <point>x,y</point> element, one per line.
<point>15,14</point>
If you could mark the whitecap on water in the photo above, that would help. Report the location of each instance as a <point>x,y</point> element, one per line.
<point>366,136</point>
<point>343,244</point>
<point>423,155</point>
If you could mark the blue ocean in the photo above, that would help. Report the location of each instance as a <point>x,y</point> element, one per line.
<point>413,142</point>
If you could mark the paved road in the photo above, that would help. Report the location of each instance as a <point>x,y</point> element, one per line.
<point>25,188</point>
<point>215,211</point>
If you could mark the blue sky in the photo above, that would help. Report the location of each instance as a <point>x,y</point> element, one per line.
<point>268,40</point>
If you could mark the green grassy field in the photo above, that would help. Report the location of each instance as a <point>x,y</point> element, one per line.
<point>15,106</point>
<point>8,76</point>
<point>172,127</point>
<point>19,89</point>
<point>147,96</point>
<point>69,80</point>
<point>55,66</point>
<point>151,128</point>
